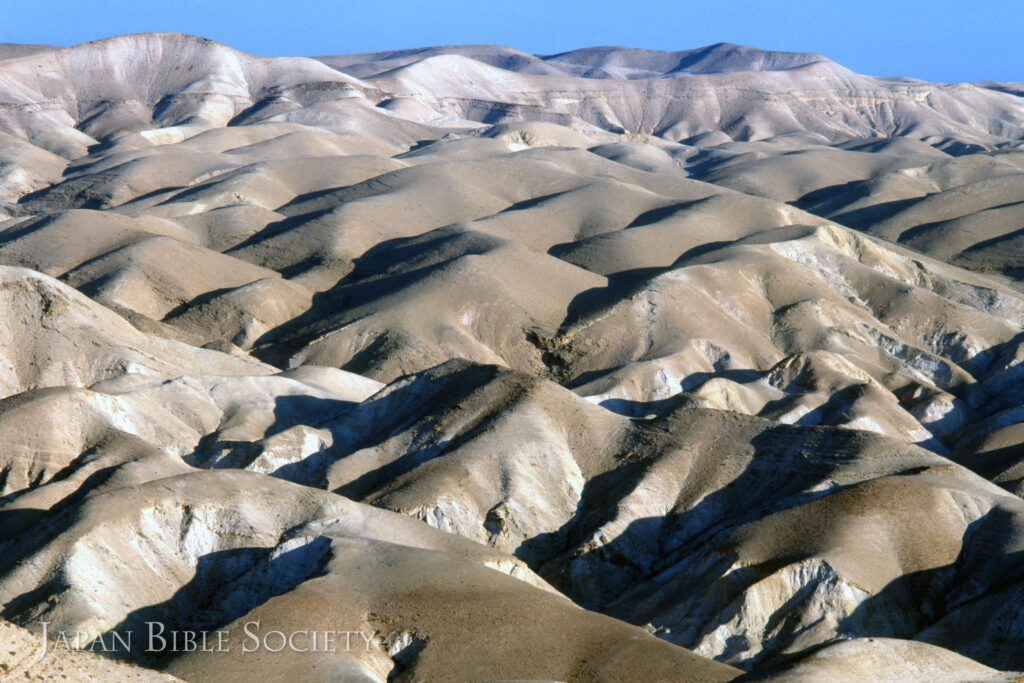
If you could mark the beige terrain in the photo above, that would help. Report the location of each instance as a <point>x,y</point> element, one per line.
<point>607,365</point>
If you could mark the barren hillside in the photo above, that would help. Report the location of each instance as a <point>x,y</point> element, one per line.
<point>606,365</point>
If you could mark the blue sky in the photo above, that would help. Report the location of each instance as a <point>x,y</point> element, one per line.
<point>942,40</point>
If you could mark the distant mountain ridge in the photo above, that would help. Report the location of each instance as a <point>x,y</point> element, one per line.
<point>619,63</point>
<point>65,100</point>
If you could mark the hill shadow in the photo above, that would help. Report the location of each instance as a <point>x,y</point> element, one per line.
<point>227,584</point>
<point>775,478</point>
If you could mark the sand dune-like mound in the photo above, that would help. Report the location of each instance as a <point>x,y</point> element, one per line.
<point>885,659</point>
<point>613,364</point>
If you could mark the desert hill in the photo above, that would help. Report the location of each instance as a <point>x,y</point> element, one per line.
<point>613,364</point>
